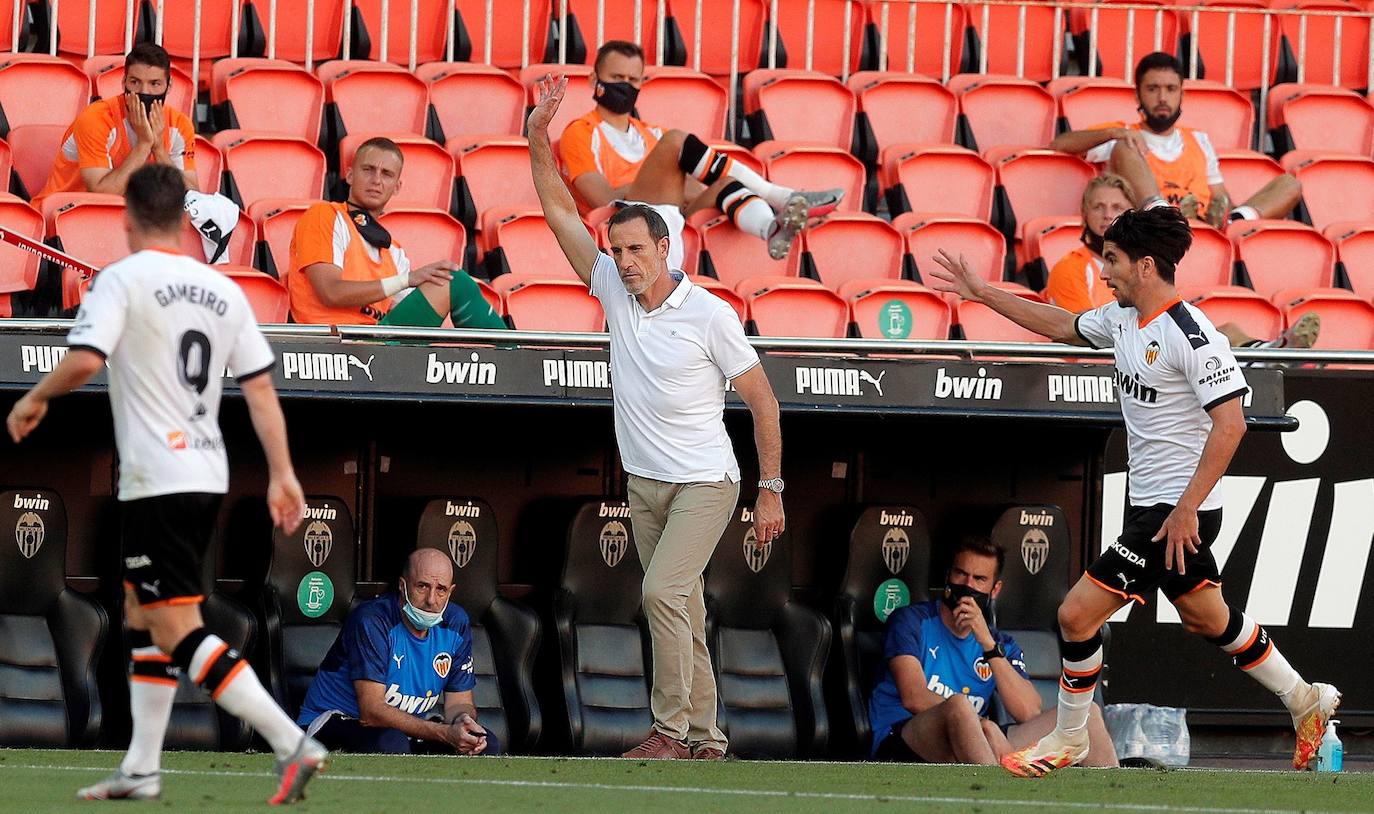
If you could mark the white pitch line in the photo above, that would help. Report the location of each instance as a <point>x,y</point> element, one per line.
<point>798,795</point>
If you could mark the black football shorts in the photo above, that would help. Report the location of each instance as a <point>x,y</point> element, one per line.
<point>1132,566</point>
<point>165,538</point>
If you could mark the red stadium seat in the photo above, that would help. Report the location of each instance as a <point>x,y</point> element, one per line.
<point>939,30</point>
<point>431,26</point>
<point>936,178</point>
<point>216,30</point>
<point>616,22</point>
<point>1087,102</point>
<point>804,166</point>
<point>792,306</point>
<point>107,74</point>
<point>980,323</point>
<point>209,165</point>
<point>268,96</point>
<point>1316,117</point>
<point>716,25</point>
<point>682,99</point>
<point>508,31</point>
<point>896,309</point>
<point>1320,46</point>
<point>111,19</point>
<point>34,149</point>
<point>520,241</point>
<point>577,98</point>
<point>981,246</point>
<point>474,99</point>
<point>1335,187</point>
<point>242,242</point>
<point>535,302</point>
<point>1355,249</point>
<point>427,235</point>
<point>1049,238</point>
<point>826,35</point>
<point>1208,262</point>
<point>1347,320</point>
<point>1211,33</point>
<point>903,109</point>
<point>489,294</point>
<point>291,24</point>
<point>265,165</point>
<point>723,291</point>
<point>276,223</point>
<point>1246,172</point>
<point>1038,183</point>
<point>427,176</point>
<point>1001,37</point>
<point>364,93</point>
<point>37,89</point>
<point>494,174</point>
<point>802,106</point>
<point>1003,111</point>
<point>1280,254</point>
<point>266,296</point>
<point>1237,305</point>
<point>1223,113</point>
<point>1124,35</point>
<point>11,39</point>
<point>736,256</point>
<point>88,226</point>
<point>846,246</point>
<point>18,268</point>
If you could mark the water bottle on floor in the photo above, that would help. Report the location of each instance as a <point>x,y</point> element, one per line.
<point>1331,754</point>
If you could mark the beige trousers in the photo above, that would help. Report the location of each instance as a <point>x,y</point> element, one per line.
<point>677,526</point>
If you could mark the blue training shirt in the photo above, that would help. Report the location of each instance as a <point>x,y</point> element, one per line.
<point>951,665</point>
<point>376,645</point>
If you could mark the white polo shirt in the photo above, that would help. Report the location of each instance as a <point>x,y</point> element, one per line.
<point>669,367</point>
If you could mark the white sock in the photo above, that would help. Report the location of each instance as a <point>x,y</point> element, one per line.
<point>750,213</point>
<point>150,703</point>
<point>1076,701</point>
<point>242,695</point>
<point>708,165</point>
<point>1246,212</point>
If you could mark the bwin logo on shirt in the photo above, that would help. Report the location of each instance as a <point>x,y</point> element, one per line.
<point>938,687</point>
<point>1131,385</point>
<point>410,704</point>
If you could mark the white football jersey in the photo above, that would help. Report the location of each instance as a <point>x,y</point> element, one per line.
<point>1171,368</point>
<point>169,326</point>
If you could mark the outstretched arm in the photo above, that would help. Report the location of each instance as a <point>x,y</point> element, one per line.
<point>559,208</point>
<point>1047,320</point>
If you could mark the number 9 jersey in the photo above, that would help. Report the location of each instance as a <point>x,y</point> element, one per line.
<point>170,329</point>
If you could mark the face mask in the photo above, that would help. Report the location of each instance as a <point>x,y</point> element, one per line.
<point>421,619</point>
<point>1093,241</point>
<point>1159,124</point>
<point>953,593</point>
<point>373,232</point>
<point>617,97</point>
<point>149,98</point>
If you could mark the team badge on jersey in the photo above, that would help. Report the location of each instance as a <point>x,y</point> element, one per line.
<point>1151,353</point>
<point>982,669</point>
<point>442,663</point>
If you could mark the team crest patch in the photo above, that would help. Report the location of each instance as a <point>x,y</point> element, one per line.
<point>755,555</point>
<point>28,534</point>
<point>1151,353</point>
<point>982,669</point>
<point>442,664</point>
<point>1035,549</point>
<point>896,549</point>
<point>462,542</point>
<point>615,541</point>
<point>319,541</point>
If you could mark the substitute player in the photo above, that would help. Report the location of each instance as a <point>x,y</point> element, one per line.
<point>1180,392</point>
<point>169,326</point>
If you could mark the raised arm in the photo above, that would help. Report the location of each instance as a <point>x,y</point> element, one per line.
<point>1047,320</point>
<point>559,208</point>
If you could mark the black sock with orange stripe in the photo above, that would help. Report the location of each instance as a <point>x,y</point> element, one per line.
<point>152,688</point>
<point>1250,648</point>
<point>147,663</point>
<point>1082,665</point>
<point>208,660</point>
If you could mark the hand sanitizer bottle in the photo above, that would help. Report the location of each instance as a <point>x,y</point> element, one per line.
<point>1331,754</point>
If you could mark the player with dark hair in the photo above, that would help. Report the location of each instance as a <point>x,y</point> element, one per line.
<point>1180,392</point>
<point>609,155</point>
<point>943,663</point>
<point>1162,160</point>
<point>169,326</point>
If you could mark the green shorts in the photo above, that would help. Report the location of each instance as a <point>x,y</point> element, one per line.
<point>469,308</point>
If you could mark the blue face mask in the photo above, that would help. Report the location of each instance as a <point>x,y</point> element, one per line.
<point>421,619</point>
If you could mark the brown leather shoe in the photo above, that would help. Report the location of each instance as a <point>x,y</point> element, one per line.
<point>707,753</point>
<point>659,746</point>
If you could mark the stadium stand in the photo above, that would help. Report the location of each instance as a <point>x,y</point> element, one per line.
<point>982,324</point>
<point>519,240</point>
<point>899,108</point>
<point>427,234</point>
<point>587,29</point>
<point>33,149</point>
<point>768,651</point>
<point>998,48</point>
<point>845,246</point>
<point>533,302</point>
<point>1246,172</point>
<point>731,256</point>
<point>1223,113</point>
<point>40,89</point>
<point>810,166</point>
<point>291,24</point>
<point>792,306</point>
<point>978,243</point>
<point>577,98</point>
<point>824,32</point>
<point>1313,39</point>
<point>1209,260</point>
<point>1335,187</point>
<point>266,296</point>
<point>88,226</point>
<point>514,43</point>
<point>365,96</point>
<point>1002,111</point>
<point>18,268</point>
<point>717,20</point>
<point>209,165</point>
<point>1237,305</point>
<point>1123,35</point>
<point>473,100</point>
<point>275,219</point>
<point>261,166</point>
<point>268,96</point>
<point>1207,31</point>
<point>1086,102</point>
<point>936,178</point>
<point>682,99</point>
<point>1032,183</point>
<point>1319,117</point>
<point>717,288</point>
<point>895,309</point>
<point>430,26</point>
<point>505,635</point>
<point>1347,320</point>
<point>1355,250</point>
<point>1273,255</point>
<point>492,173</point>
<point>803,106</point>
<point>939,46</point>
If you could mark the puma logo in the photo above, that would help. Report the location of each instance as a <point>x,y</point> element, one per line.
<point>398,660</point>
<point>877,383</point>
<point>366,368</point>
<point>1198,337</point>
<point>1125,583</point>
<point>934,651</point>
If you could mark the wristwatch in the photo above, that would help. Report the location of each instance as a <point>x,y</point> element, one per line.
<point>772,485</point>
<point>994,652</point>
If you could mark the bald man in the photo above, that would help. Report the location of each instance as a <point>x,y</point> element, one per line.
<point>398,657</point>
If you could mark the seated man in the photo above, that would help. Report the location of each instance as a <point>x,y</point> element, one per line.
<point>1162,161</point>
<point>396,657</point>
<point>608,155</point>
<point>114,137</point>
<point>942,665</point>
<point>345,269</point>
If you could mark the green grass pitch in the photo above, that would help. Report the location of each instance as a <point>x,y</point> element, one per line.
<point>46,781</point>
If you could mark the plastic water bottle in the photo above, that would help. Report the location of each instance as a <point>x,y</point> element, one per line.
<point>1331,754</point>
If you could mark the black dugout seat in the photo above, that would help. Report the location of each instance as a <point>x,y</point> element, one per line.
<point>601,638</point>
<point>50,635</point>
<point>505,635</point>
<point>310,585</point>
<point>769,652</point>
<point>888,567</point>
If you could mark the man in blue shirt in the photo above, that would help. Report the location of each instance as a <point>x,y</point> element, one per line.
<point>399,657</point>
<point>942,664</point>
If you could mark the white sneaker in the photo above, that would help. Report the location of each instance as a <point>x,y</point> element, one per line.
<point>1054,751</point>
<point>121,786</point>
<point>1316,707</point>
<point>295,771</point>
